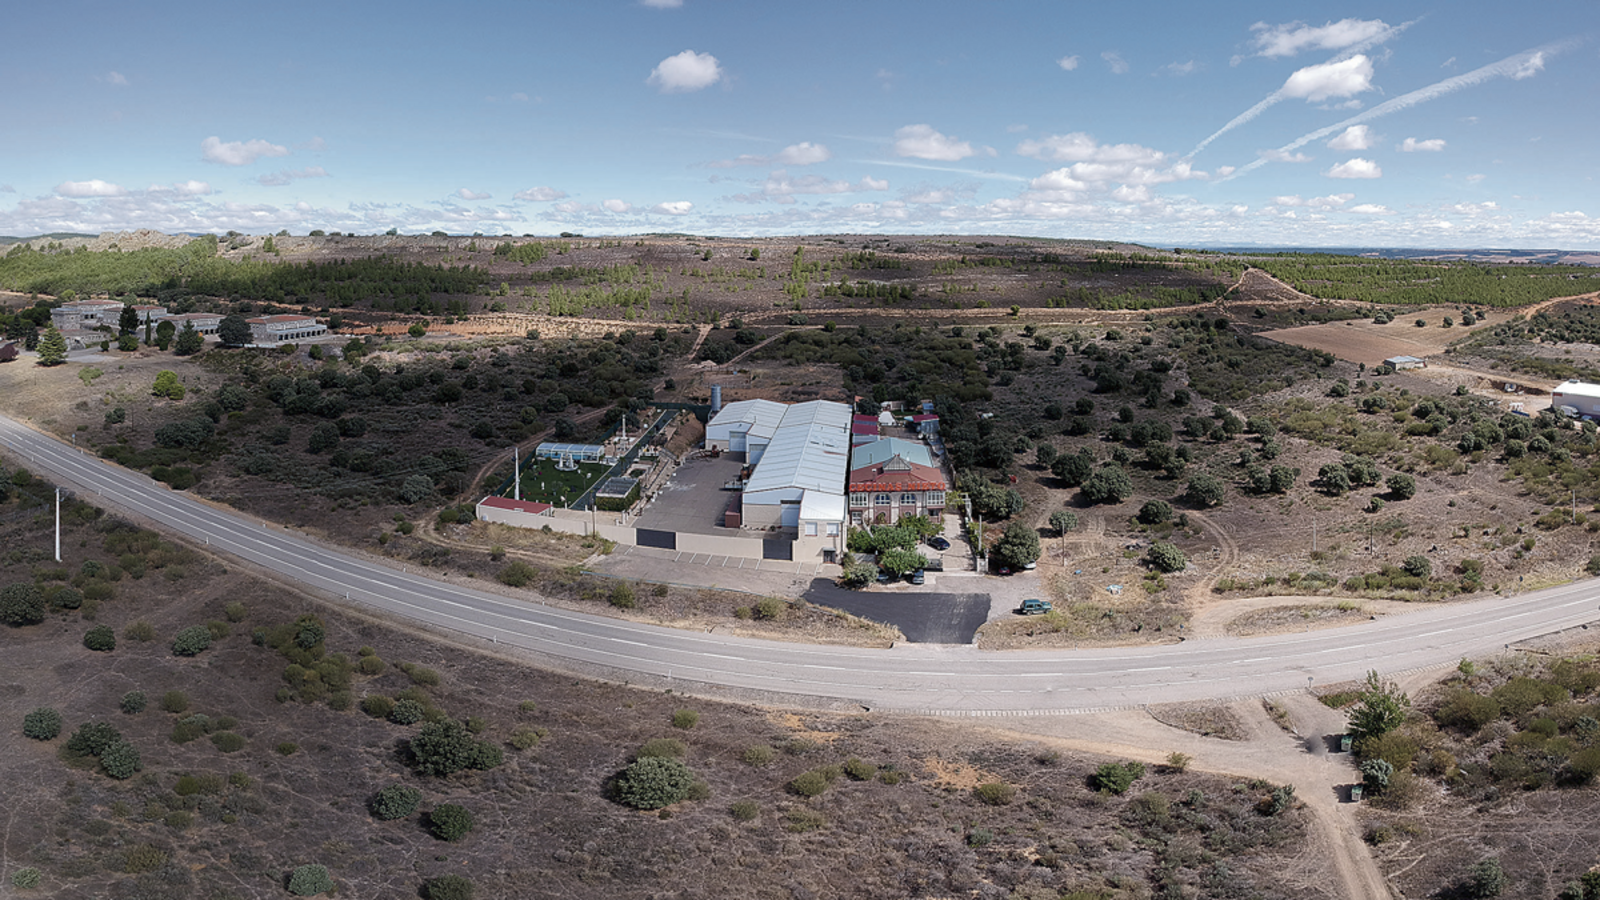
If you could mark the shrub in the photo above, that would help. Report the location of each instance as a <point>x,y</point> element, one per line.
<point>526,737</point>
<point>371,665</point>
<point>218,628</point>
<point>308,881</point>
<point>744,810</point>
<point>802,819</point>
<point>407,712</point>
<point>1164,557</point>
<point>228,741</point>
<point>1154,512</point>
<point>441,748</point>
<point>133,702</point>
<point>142,858</point>
<point>21,604</point>
<point>309,632</point>
<point>25,878</point>
<point>447,887</point>
<point>859,769</point>
<point>450,822</point>
<point>287,748</point>
<point>1178,762</point>
<point>654,782</point>
<point>517,574</point>
<point>1116,778</point>
<point>377,706</point>
<point>980,837</point>
<point>622,596</point>
<point>120,760</point>
<point>174,701</point>
<point>100,638</point>
<point>235,611</point>
<point>395,802</point>
<point>995,793</point>
<point>758,755</point>
<point>420,674</point>
<point>191,641</point>
<point>769,608</point>
<point>1487,879</point>
<point>140,631</point>
<point>670,748</point>
<point>685,719</point>
<point>810,783</point>
<point>43,724</point>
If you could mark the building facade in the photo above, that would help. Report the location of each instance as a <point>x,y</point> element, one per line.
<point>277,329</point>
<point>893,478</point>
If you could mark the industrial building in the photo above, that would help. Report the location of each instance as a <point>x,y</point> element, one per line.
<point>1580,397</point>
<point>800,455</point>
<point>276,329</point>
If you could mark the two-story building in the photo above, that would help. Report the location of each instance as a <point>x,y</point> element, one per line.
<point>892,478</point>
<point>276,329</point>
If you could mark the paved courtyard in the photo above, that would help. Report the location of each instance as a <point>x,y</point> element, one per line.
<point>692,501</point>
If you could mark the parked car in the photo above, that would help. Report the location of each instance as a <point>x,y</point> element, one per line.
<point>918,578</point>
<point>884,577</point>
<point>1003,570</point>
<point>1028,566</point>
<point>1033,606</point>
<point>938,543</point>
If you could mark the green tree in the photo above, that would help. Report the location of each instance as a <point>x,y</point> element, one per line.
<point>1018,546</point>
<point>1204,490</point>
<point>42,724</point>
<point>310,880</point>
<point>447,887</point>
<point>1164,557</point>
<point>52,348</point>
<point>1063,521</point>
<point>1116,778</point>
<point>898,562</point>
<point>1402,486</point>
<point>1418,566</point>
<point>189,341</point>
<point>21,604</point>
<point>128,320</point>
<point>654,782</point>
<point>417,329</point>
<point>100,638</point>
<point>1073,468</point>
<point>165,332</point>
<point>1380,708</point>
<point>1108,484</point>
<point>233,331</point>
<point>1335,478</point>
<point>167,385</point>
<point>191,641</point>
<point>1487,878</point>
<point>120,760</point>
<point>450,822</point>
<point>444,747</point>
<point>1280,479</point>
<point>1154,512</point>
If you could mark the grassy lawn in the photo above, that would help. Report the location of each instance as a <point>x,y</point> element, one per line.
<point>543,484</point>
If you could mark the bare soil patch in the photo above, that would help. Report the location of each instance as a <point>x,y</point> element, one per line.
<point>1361,341</point>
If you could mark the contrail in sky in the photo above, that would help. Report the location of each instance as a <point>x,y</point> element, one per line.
<point>1279,94</point>
<point>1520,65</point>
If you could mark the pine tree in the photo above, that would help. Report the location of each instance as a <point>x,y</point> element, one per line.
<point>52,348</point>
<point>189,341</point>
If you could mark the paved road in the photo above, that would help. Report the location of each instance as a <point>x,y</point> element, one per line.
<point>920,678</point>
<point>924,617</point>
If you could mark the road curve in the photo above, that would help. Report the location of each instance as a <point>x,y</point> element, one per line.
<point>942,680</point>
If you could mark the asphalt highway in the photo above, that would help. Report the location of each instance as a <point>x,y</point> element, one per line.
<point>931,679</point>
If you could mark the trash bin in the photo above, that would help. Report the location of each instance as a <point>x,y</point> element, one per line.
<point>1344,743</point>
<point>1355,793</point>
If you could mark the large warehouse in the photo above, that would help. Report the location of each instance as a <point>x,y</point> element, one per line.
<point>1577,395</point>
<point>801,455</point>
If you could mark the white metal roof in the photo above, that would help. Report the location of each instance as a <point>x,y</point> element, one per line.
<point>1578,388</point>
<point>810,449</point>
<point>762,416</point>
<point>885,449</point>
<point>817,506</point>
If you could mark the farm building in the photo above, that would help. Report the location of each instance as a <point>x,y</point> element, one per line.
<point>892,478</point>
<point>1580,396</point>
<point>1401,363</point>
<point>799,478</point>
<point>276,329</point>
<point>205,323</point>
<point>504,510</point>
<point>85,314</point>
<point>575,452</point>
<point>745,426</point>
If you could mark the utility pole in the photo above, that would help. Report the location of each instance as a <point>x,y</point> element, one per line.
<point>516,472</point>
<point>58,524</point>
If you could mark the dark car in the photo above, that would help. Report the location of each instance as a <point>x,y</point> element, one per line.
<point>1034,607</point>
<point>918,578</point>
<point>884,577</point>
<point>1003,570</point>
<point>938,543</point>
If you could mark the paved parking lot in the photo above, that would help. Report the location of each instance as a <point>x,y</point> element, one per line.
<point>924,617</point>
<point>692,501</point>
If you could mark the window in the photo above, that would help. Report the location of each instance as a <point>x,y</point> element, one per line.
<point>833,529</point>
<point>811,529</point>
<point>936,498</point>
<point>908,499</point>
<point>858,499</point>
<point>881,499</point>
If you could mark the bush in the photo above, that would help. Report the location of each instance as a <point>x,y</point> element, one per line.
<point>25,878</point>
<point>769,608</point>
<point>685,719</point>
<point>444,747</point>
<point>653,783</point>
<point>228,741</point>
<point>1164,557</point>
<point>1154,512</point>
<point>174,701</point>
<point>526,737</point>
<point>43,724</point>
<point>517,574</point>
<point>758,755</point>
<point>309,632</point>
<point>191,641</point>
<point>395,802</point>
<point>235,611</point>
<point>308,881</point>
<point>447,887</point>
<point>407,712</point>
<point>450,822</point>
<point>1417,566</point>
<point>995,793</point>
<point>1116,778</point>
<point>377,706</point>
<point>21,604</point>
<point>860,770</point>
<point>120,760</point>
<point>140,631</point>
<point>1487,879</point>
<point>100,638</point>
<point>744,810</point>
<point>810,783</point>
<point>669,748</point>
<point>980,837</point>
<point>133,702</point>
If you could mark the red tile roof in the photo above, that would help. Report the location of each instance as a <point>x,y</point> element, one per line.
<point>527,506</point>
<point>915,478</point>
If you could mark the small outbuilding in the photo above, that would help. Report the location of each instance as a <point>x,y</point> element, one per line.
<point>1401,363</point>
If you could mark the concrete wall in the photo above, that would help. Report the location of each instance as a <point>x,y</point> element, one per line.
<point>717,545</point>
<point>514,517</point>
<point>572,521</point>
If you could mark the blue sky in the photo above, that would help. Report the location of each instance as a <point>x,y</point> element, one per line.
<point>1463,125</point>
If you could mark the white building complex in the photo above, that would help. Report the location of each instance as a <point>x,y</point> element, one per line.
<point>1579,396</point>
<point>801,455</point>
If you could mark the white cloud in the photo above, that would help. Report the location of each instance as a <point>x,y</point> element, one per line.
<point>116,79</point>
<point>1119,66</point>
<point>1530,67</point>
<point>189,188</point>
<point>1291,38</point>
<point>91,188</point>
<point>1332,201</point>
<point>688,71</point>
<point>284,176</point>
<point>1068,63</point>
<point>922,142</point>
<point>238,153</point>
<point>662,4</point>
<point>539,194</point>
<point>1335,79</point>
<point>519,97</point>
<point>1356,137</point>
<point>1370,209</point>
<point>673,208</point>
<point>467,194</point>
<point>1131,194</point>
<point>804,153</point>
<point>1058,182</point>
<point>1474,179</point>
<point>1082,147</point>
<point>617,206</point>
<point>780,187</point>
<point>1355,168</point>
<point>1282,157</point>
<point>1181,69</point>
<point>1431,145</point>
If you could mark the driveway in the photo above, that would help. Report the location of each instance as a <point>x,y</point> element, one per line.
<point>924,617</point>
